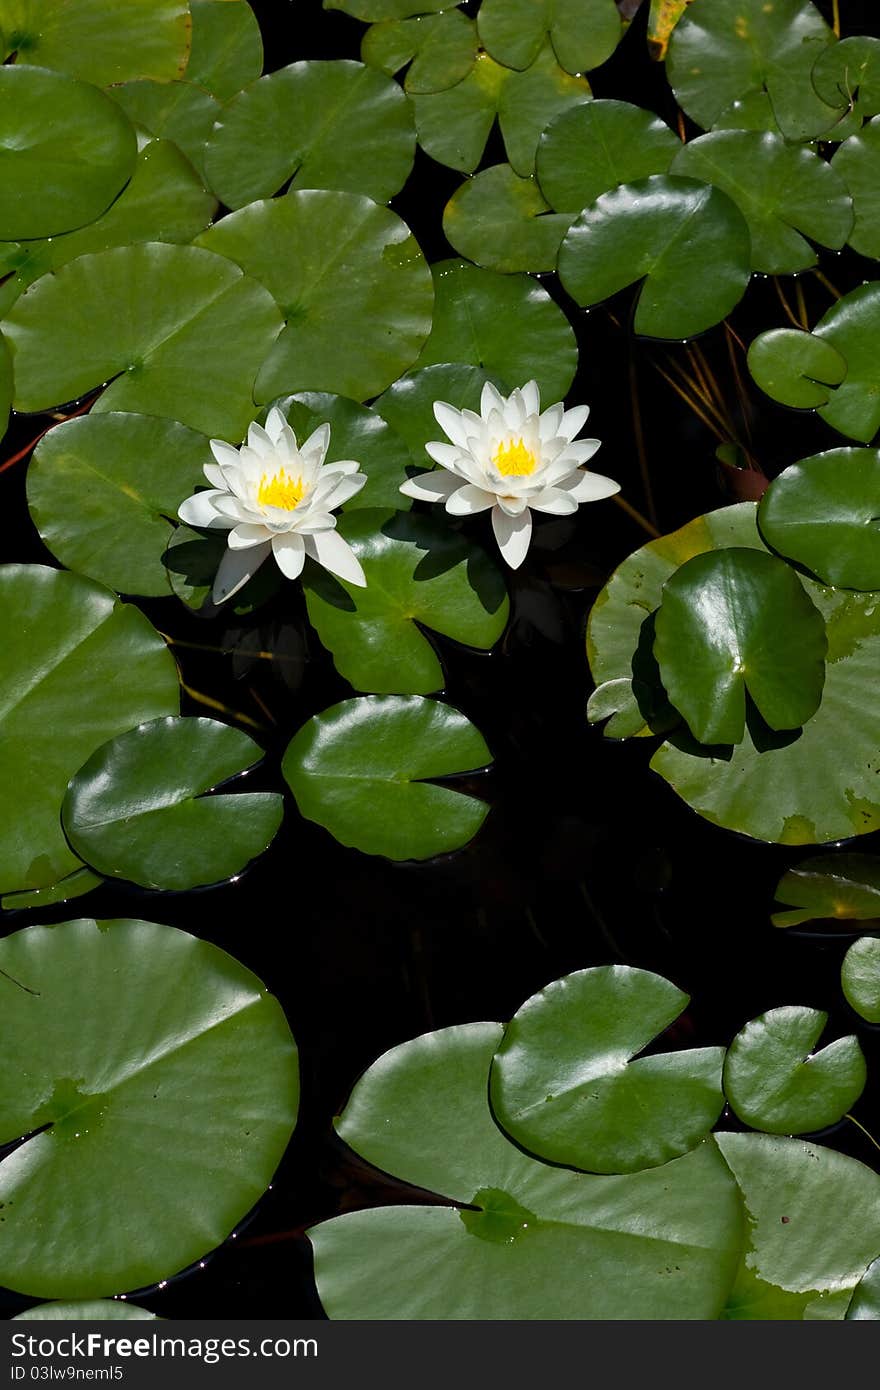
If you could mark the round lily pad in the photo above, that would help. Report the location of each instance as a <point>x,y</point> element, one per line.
<point>97,40</point>
<point>65,152</point>
<point>775,1080</point>
<point>567,1085</point>
<point>851,326</point>
<point>598,145</point>
<point>860,977</point>
<point>137,808</point>
<point>78,668</point>
<point>408,405</point>
<point>796,368</point>
<point>686,244</point>
<point>149,1051</point>
<point>420,574</point>
<point>501,221</point>
<point>94,1310</point>
<point>441,49</point>
<point>364,769</point>
<point>843,887</point>
<point>350,280</point>
<point>227,49</point>
<point>858,164</point>
<point>178,111</point>
<point>356,432</point>
<point>103,491</point>
<point>506,324</point>
<point>824,514</point>
<point>159,319</point>
<point>584,33</point>
<point>320,124</point>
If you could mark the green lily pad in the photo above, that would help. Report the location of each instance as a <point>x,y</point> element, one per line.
<point>78,668</point>
<point>356,432</point>
<point>192,560</point>
<point>521,1248</point>
<point>94,1310</point>
<point>843,887</point>
<point>320,124</point>
<point>858,164</point>
<point>157,318</point>
<point>73,885</point>
<point>814,1215</point>
<point>502,222</point>
<point>752,1299</point>
<point>506,324</point>
<point>776,1081</point>
<point>847,74</point>
<point>584,33</point>
<point>420,574</point>
<point>441,49</point>
<point>788,196</point>
<point>163,201</point>
<point>865,1304</point>
<point>754,111</point>
<point>372,11</point>
<point>454,125</point>
<point>137,808</point>
<point>178,111</point>
<point>737,623</point>
<point>97,41</point>
<point>860,977</point>
<point>824,514</point>
<point>852,326</point>
<point>103,492</point>
<point>149,1051</point>
<point>567,1085</point>
<point>795,368</point>
<point>721,53</point>
<point>6,385</point>
<point>351,282</point>
<point>227,48</point>
<point>686,244</point>
<point>408,405</point>
<point>66,150</point>
<point>362,768</point>
<point>598,145</point>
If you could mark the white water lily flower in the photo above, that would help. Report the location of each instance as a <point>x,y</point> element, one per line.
<point>512,458</point>
<point>274,497</point>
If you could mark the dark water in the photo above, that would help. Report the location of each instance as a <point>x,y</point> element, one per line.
<point>586,858</point>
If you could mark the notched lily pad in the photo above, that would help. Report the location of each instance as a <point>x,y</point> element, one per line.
<point>824,513</point>
<point>858,164</point>
<point>796,368</point>
<point>584,33</point>
<point>852,326</point>
<point>440,49</point>
<point>501,221</point>
<point>598,145</point>
<point>843,887</point>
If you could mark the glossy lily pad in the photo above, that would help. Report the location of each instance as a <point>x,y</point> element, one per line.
<point>138,809</point>
<point>522,1234</point>
<point>865,1303</point>
<point>78,668</point>
<point>502,222</point>
<point>789,197</point>
<point>365,770</point>
<point>227,49</point>
<point>441,49</point>
<point>66,150</point>
<point>420,574</point>
<point>352,284</point>
<point>6,385</point>
<point>796,368</point>
<point>860,977</point>
<point>685,243</point>
<point>824,513</point>
<point>506,324</point>
<point>847,74</point>
<point>408,405</point>
<point>858,164</point>
<point>318,124</point>
<point>158,319</point>
<point>852,326</point>
<point>584,33</point>
<point>178,111</point>
<point>98,41</point>
<point>73,885</point>
<point>776,1080</point>
<point>568,1086</point>
<point>374,10</point>
<point>356,432</point>
<point>598,145</point>
<point>736,625</point>
<point>94,1310</point>
<point>148,1051</point>
<point>837,886</point>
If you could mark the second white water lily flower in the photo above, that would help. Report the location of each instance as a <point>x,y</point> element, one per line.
<point>276,498</point>
<point>512,458</point>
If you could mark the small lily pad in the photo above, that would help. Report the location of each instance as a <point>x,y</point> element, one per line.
<point>501,221</point>
<point>824,513</point>
<point>852,326</point>
<point>598,145</point>
<point>441,49</point>
<point>860,977</point>
<point>372,11</point>
<point>847,74</point>
<point>843,887</point>
<point>584,33</point>
<point>858,164</point>
<point>796,368</point>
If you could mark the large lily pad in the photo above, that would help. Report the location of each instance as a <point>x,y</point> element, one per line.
<point>159,319</point>
<point>852,326</point>
<point>598,145</point>
<point>65,152</point>
<point>824,514</point>
<point>440,49</point>
<point>103,492</point>
<point>408,405</point>
<point>737,624</point>
<point>796,368</point>
<point>137,808</point>
<point>584,33</point>
<point>419,574</point>
<point>352,284</point>
<point>149,1052</point>
<point>567,1085</point>
<point>502,222</point>
<point>842,887</point>
<point>227,49</point>
<point>789,197</point>
<point>687,243</point>
<point>363,769</point>
<point>775,1079</point>
<point>178,111</point>
<point>534,1242</point>
<point>98,41</point>
<point>860,977</point>
<point>858,164</point>
<point>320,124</point>
<point>356,432</point>
<point>506,324</point>
<point>78,668</point>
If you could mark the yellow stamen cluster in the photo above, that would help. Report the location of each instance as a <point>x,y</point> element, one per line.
<point>280,490</point>
<point>514,460</point>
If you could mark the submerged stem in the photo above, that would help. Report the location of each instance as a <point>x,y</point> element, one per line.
<point>867,1133</point>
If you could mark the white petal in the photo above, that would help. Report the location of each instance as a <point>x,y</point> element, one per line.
<point>514,506</point>
<point>490,399</point>
<point>259,442</point>
<point>548,425</point>
<point>582,450</point>
<point>343,492</point>
<point>513,534</point>
<point>588,487</point>
<point>337,556</point>
<point>447,455</point>
<point>245,535</point>
<point>531,398</point>
<point>290,552</point>
<point>431,487</point>
<point>316,521</point>
<point>224,453</point>
<point>554,501</point>
<point>341,466</point>
<point>199,510</point>
<point>215,475</point>
<point>450,421</point>
<point>317,443</point>
<point>515,411</point>
<point>469,500</point>
<point>232,508</point>
<point>275,424</point>
<point>235,570</point>
<point>573,421</point>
